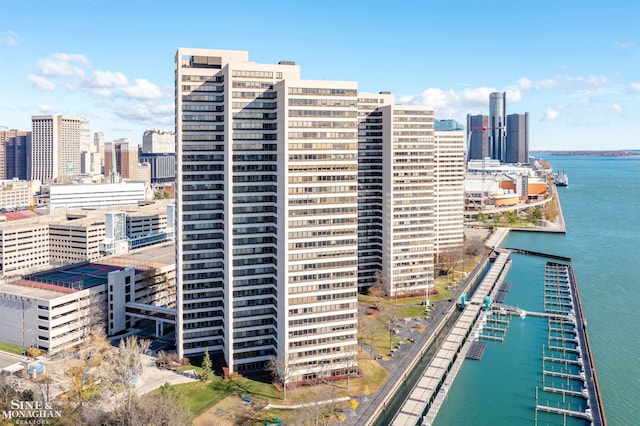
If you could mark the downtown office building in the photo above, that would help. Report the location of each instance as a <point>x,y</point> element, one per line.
<point>291,194</point>
<point>55,146</point>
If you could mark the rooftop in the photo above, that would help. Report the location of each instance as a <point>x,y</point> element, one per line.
<point>78,276</point>
<point>33,290</point>
<point>155,256</point>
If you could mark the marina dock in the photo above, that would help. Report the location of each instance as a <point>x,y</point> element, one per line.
<point>430,391</point>
<point>567,369</point>
<point>567,363</point>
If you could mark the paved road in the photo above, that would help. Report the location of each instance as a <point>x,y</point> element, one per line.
<point>7,359</point>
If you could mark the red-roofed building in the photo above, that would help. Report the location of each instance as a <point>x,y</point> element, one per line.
<point>19,215</point>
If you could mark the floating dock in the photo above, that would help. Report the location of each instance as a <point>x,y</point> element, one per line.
<point>476,350</point>
<point>567,364</point>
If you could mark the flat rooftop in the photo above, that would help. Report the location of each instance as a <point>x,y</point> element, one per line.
<point>78,276</point>
<point>155,256</point>
<point>33,290</point>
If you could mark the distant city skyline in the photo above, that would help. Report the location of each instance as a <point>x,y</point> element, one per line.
<point>572,66</point>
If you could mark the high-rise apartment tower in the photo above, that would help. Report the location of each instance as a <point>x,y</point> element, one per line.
<point>449,172</point>
<point>267,211</point>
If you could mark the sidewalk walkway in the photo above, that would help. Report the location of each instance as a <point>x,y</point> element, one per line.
<point>153,377</point>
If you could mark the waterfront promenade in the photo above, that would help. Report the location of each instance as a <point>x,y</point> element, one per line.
<point>427,396</point>
<point>377,405</point>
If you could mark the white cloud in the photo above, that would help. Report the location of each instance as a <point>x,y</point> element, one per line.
<point>134,100</point>
<point>143,89</point>
<point>45,109</point>
<point>102,92</point>
<point>633,87</point>
<point>565,82</point>
<point>41,82</point>
<point>457,104</point>
<point>593,81</point>
<point>513,95</point>
<point>145,113</point>
<point>63,65</point>
<point>11,38</point>
<point>524,83</point>
<point>573,95</point>
<point>452,103</point>
<point>108,79</point>
<point>103,83</point>
<point>550,114</point>
<point>625,45</point>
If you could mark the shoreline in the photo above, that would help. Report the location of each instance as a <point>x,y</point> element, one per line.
<point>494,242</point>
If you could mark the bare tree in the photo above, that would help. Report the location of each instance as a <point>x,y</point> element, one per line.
<point>474,246</point>
<point>85,368</point>
<point>165,408</point>
<point>92,313</point>
<point>125,367</point>
<point>376,292</point>
<point>448,259</point>
<point>281,372</point>
<point>369,334</point>
<point>320,408</point>
<point>383,282</point>
<point>390,321</point>
<point>44,383</point>
<point>6,392</point>
<point>351,364</point>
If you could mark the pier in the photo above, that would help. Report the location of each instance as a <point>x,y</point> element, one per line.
<point>537,253</point>
<point>565,412</point>
<point>568,346</point>
<point>426,397</point>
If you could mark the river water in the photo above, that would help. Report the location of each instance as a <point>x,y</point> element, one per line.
<point>601,208</point>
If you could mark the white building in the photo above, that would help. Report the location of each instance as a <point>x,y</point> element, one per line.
<point>17,193</point>
<point>449,175</point>
<point>408,199</point>
<point>290,194</point>
<point>24,247</point>
<point>55,309</point>
<point>55,146</point>
<point>90,163</point>
<point>267,208</point>
<point>158,142</point>
<point>396,195</point>
<point>98,195</point>
<point>67,236</point>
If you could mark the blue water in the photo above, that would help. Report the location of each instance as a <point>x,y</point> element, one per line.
<point>601,208</point>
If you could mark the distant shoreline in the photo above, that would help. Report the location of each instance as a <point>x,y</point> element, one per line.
<point>617,153</point>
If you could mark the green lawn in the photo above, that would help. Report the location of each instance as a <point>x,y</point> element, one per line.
<point>189,368</point>
<point>14,349</point>
<point>199,395</point>
<point>258,387</point>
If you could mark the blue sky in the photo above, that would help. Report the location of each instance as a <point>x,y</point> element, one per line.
<point>573,65</point>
